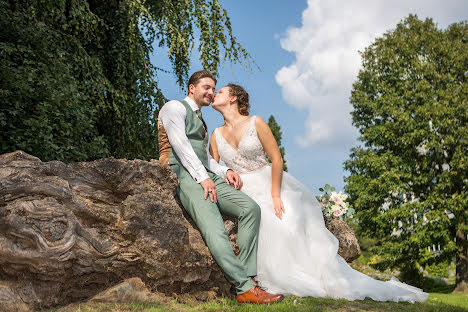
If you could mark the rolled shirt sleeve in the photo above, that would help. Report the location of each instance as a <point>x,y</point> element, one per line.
<point>172,117</point>
<point>216,167</point>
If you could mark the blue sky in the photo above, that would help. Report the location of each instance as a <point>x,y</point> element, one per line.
<point>308,55</point>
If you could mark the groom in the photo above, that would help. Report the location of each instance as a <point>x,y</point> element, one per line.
<point>183,140</point>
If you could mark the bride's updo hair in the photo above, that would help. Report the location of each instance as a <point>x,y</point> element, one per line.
<point>243,104</point>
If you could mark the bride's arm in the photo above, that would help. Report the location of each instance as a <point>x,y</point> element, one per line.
<point>214,148</point>
<point>213,164</point>
<point>271,148</point>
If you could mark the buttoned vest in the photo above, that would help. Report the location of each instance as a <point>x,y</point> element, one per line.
<point>196,134</point>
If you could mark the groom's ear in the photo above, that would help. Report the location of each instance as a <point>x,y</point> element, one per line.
<point>191,87</point>
<point>233,99</point>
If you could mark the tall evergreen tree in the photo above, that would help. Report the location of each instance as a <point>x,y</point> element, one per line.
<point>408,182</point>
<point>276,130</point>
<point>77,82</point>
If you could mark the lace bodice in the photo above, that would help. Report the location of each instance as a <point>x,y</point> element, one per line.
<point>250,155</point>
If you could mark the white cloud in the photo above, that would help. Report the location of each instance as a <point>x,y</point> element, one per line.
<point>327,59</point>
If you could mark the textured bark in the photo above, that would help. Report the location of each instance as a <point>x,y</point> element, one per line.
<point>349,246</point>
<point>462,263</point>
<point>69,231</point>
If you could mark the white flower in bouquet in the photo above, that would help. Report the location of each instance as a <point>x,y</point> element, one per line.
<point>334,204</point>
<point>336,207</point>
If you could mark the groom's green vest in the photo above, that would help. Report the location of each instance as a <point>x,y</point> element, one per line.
<point>197,136</point>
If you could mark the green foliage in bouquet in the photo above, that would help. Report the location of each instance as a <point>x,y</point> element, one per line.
<point>334,205</point>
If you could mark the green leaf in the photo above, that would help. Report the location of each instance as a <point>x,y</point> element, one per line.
<point>85,76</point>
<point>410,107</point>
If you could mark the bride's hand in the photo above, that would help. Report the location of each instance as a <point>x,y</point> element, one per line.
<point>233,179</point>
<point>278,206</point>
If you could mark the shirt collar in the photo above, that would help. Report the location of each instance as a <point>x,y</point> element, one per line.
<point>192,103</point>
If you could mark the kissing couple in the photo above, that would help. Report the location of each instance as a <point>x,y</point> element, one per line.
<point>284,246</point>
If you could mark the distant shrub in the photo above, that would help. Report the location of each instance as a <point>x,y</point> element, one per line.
<point>438,269</point>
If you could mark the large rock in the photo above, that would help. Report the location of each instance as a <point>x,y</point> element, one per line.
<point>130,290</point>
<point>69,231</point>
<point>349,248</point>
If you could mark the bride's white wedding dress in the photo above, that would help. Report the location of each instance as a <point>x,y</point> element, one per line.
<point>298,255</point>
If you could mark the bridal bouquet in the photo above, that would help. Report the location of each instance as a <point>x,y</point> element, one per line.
<point>334,205</point>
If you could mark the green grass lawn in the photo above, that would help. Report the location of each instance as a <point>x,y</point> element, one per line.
<point>436,303</point>
<point>441,299</point>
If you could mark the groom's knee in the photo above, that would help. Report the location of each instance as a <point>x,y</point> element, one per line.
<point>252,211</point>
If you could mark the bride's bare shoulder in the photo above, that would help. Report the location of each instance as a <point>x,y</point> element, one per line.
<point>219,129</point>
<point>259,122</point>
<point>214,132</point>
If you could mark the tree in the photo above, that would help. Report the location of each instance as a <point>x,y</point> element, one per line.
<point>276,130</point>
<point>408,182</point>
<point>77,82</point>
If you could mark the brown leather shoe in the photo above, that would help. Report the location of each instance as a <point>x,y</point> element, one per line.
<point>258,296</point>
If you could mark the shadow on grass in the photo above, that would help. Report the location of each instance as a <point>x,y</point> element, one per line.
<point>433,286</point>
<point>435,303</point>
<point>440,289</point>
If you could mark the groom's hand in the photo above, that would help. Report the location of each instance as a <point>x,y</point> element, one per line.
<point>233,179</point>
<point>209,188</point>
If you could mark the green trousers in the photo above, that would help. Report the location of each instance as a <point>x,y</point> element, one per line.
<point>207,216</point>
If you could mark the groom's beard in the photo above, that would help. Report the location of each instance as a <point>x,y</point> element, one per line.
<point>204,104</point>
<point>205,101</point>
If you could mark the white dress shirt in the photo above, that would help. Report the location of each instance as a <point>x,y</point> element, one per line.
<point>172,118</point>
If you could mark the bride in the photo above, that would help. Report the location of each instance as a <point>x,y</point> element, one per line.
<point>296,253</point>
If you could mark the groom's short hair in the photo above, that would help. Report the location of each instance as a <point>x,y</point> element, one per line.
<point>196,76</point>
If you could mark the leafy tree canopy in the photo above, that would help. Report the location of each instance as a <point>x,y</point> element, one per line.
<point>408,182</point>
<point>77,82</point>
